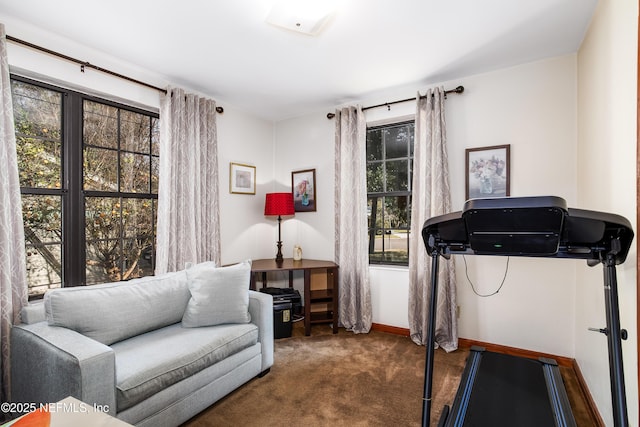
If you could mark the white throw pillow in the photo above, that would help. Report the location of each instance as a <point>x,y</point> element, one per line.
<point>218,295</point>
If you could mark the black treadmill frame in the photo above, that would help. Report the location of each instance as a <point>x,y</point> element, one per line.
<point>534,227</point>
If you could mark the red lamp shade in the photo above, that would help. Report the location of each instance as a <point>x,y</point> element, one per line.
<point>279,204</point>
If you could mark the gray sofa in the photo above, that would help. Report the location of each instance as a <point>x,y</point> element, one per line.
<point>153,351</point>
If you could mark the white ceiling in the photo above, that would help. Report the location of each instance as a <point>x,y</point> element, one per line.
<point>224,48</point>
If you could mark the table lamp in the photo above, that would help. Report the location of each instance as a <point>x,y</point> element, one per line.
<point>279,204</point>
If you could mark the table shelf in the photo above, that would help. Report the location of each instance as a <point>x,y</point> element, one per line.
<point>321,317</point>
<point>327,296</point>
<point>322,295</point>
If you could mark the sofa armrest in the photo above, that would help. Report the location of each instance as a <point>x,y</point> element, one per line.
<point>261,310</point>
<point>49,363</point>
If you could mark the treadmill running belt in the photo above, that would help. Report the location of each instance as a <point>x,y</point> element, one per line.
<point>509,391</point>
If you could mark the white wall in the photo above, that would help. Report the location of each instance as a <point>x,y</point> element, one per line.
<point>307,143</point>
<point>244,230</point>
<point>607,116</point>
<point>533,108</point>
<point>33,63</point>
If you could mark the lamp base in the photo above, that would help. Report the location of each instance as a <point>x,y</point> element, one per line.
<point>279,257</point>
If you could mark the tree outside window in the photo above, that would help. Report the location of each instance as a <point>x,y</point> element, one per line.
<point>389,174</point>
<point>89,181</point>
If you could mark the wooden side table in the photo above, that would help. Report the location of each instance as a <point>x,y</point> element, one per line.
<point>328,295</point>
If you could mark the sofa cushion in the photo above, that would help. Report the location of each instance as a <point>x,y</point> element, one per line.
<point>148,363</point>
<point>116,311</point>
<point>218,295</point>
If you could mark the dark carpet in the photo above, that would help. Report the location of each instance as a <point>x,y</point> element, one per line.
<point>348,379</point>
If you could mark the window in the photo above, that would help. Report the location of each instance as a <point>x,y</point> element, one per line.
<point>389,173</point>
<point>89,182</point>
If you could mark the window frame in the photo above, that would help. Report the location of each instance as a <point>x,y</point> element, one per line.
<point>381,195</point>
<point>116,194</point>
<point>72,193</point>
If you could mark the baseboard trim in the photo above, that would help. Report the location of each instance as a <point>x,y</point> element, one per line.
<point>514,351</point>
<point>496,348</point>
<point>378,327</point>
<point>591,404</point>
<point>567,362</point>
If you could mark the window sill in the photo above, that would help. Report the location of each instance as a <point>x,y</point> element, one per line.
<point>388,267</point>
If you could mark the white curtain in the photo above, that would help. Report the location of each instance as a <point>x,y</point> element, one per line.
<point>13,270</point>
<point>430,197</point>
<point>188,199</point>
<point>351,250</point>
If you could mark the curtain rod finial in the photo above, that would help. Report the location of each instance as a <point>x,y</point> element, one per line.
<point>330,116</point>
<point>219,110</point>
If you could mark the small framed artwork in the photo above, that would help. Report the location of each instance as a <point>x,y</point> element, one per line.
<point>487,172</point>
<point>303,185</point>
<point>242,179</point>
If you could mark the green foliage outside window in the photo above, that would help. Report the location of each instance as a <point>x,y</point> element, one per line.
<point>389,174</point>
<point>115,202</point>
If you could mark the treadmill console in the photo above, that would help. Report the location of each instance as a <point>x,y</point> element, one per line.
<point>529,226</point>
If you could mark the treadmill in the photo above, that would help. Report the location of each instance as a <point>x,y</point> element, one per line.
<point>498,389</point>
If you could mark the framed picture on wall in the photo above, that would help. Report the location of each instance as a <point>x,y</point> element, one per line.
<point>303,185</point>
<point>487,172</point>
<point>242,179</point>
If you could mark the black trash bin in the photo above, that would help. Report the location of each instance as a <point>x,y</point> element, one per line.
<point>286,294</point>
<point>282,316</point>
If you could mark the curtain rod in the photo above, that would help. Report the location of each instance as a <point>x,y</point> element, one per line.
<point>84,64</point>
<point>459,89</point>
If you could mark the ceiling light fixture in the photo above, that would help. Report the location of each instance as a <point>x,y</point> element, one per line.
<point>302,16</point>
